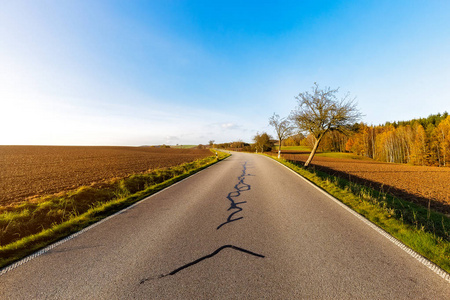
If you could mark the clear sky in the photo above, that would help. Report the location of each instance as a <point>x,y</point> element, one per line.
<point>186,72</point>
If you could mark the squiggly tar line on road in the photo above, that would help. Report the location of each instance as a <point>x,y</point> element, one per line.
<point>241,186</point>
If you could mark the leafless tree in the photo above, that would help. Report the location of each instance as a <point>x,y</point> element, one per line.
<point>283,128</point>
<point>321,111</point>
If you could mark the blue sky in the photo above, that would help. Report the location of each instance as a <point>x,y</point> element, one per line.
<point>186,72</point>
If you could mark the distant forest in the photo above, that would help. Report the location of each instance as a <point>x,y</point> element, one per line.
<point>424,141</point>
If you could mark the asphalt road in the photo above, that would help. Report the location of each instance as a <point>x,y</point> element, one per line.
<point>246,227</point>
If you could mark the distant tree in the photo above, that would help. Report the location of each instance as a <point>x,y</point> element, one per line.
<point>238,144</point>
<point>223,146</point>
<point>321,111</point>
<point>262,142</point>
<point>283,129</point>
<point>211,143</point>
<point>294,140</point>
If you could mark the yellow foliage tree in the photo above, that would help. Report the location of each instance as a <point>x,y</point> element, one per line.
<point>443,134</point>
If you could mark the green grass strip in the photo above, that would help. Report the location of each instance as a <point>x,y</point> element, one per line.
<point>94,212</point>
<point>421,229</point>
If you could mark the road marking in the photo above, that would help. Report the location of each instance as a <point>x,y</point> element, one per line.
<point>432,266</point>
<point>13,266</point>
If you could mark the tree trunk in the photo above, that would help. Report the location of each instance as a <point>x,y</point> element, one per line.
<point>313,152</point>
<point>279,150</point>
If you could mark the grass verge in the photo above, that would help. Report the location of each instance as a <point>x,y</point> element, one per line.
<point>28,227</point>
<point>425,231</point>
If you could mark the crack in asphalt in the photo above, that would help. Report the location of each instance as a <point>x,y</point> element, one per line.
<point>201,259</point>
<point>241,186</point>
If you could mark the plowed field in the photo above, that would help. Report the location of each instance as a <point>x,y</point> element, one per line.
<point>414,183</point>
<point>27,171</point>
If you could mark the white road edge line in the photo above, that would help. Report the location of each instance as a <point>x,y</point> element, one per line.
<point>432,266</point>
<point>74,235</point>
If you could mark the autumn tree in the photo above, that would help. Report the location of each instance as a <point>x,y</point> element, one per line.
<point>283,129</point>
<point>262,142</point>
<point>424,141</point>
<point>294,140</point>
<point>238,144</point>
<point>443,133</point>
<point>392,145</point>
<point>321,111</point>
<point>290,141</point>
<point>418,149</point>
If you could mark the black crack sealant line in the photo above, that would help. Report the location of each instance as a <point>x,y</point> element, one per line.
<point>203,258</point>
<point>241,186</point>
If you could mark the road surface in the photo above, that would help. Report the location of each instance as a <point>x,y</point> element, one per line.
<point>245,228</point>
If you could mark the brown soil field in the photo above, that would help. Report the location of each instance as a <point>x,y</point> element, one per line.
<point>29,171</point>
<point>418,184</point>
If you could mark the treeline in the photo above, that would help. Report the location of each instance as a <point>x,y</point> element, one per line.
<point>262,143</point>
<point>234,146</point>
<point>424,141</point>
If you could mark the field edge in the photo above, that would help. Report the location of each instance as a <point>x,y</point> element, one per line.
<point>28,246</point>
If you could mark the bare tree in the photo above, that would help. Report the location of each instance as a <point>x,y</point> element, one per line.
<point>321,111</point>
<point>283,128</point>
